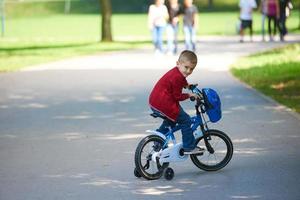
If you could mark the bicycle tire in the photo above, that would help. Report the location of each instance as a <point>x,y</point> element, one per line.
<point>158,172</point>
<point>198,160</point>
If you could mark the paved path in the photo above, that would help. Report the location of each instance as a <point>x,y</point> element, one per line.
<point>68,130</point>
<point>215,53</point>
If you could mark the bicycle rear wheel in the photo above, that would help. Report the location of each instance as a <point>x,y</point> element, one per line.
<point>144,163</point>
<point>221,155</point>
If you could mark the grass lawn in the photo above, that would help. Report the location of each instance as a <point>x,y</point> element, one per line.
<point>275,73</point>
<point>87,26</point>
<point>15,57</point>
<point>38,39</point>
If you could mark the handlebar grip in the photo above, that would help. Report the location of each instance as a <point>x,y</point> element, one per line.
<point>192,86</point>
<point>192,98</point>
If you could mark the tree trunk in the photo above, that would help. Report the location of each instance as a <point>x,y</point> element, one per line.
<point>210,4</point>
<point>106,20</point>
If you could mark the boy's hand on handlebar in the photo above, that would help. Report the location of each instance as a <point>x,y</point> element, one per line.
<point>193,96</point>
<point>192,86</point>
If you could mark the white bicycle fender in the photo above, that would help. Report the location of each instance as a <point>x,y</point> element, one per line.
<point>157,133</point>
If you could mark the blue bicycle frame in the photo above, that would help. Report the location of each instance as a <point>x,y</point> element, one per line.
<point>196,122</point>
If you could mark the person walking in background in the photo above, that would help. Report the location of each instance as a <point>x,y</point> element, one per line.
<point>273,16</point>
<point>246,9</point>
<point>172,26</point>
<point>284,6</point>
<point>157,20</point>
<point>190,24</point>
<point>263,10</point>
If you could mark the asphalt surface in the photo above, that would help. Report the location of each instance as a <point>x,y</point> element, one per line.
<point>69,129</point>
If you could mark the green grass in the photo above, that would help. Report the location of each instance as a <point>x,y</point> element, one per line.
<point>275,73</point>
<point>87,26</point>
<point>38,39</point>
<point>34,40</point>
<point>15,57</point>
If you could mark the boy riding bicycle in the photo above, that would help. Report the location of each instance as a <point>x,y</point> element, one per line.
<point>166,95</point>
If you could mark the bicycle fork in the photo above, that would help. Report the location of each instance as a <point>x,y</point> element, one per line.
<point>207,138</point>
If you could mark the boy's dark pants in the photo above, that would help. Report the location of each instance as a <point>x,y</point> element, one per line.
<point>184,121</point>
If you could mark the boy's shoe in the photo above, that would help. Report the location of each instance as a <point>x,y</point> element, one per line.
<point>197,150</point>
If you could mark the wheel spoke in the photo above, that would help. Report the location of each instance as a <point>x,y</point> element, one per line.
<point>145,152</point>
<point>208,162</point>
<point>215,158</point>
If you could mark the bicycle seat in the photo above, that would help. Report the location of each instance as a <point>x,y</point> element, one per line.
<point>156,114</point>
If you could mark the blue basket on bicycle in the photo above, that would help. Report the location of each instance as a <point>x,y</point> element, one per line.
<point>212,104</point>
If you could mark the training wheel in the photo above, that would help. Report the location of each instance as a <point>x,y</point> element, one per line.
<point>136,173</point>
<point>169,174</point>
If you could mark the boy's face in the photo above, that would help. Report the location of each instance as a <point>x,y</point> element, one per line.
<point>186,67</point>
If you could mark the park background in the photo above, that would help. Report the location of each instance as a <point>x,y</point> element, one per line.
<point>41,31</point>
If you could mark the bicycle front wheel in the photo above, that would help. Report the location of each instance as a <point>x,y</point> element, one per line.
<point>220,156</point>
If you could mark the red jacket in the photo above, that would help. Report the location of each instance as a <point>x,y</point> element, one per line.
<point>167,93</point>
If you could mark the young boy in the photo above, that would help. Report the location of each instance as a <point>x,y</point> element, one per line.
<point>166,95</point>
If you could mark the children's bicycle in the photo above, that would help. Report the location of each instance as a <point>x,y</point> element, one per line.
<point>156,151</point>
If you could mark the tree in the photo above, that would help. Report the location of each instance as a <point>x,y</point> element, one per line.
<point>210,4</point>
<point>106,20</point>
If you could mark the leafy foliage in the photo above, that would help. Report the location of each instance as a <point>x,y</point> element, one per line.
<point>276,73</point>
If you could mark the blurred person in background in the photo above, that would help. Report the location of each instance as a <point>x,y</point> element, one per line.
<point>284,11</point>
<point>174,9</point>
<point>263,10</point>
<point>190,24</point>
<point>273,16</point>
<point>157,20</point>
<point>246,9</point>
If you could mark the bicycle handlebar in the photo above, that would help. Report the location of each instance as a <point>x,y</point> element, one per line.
<point>200,103</point>
<point>195,90</point>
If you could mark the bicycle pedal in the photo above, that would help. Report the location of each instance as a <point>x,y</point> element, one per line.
<point>196,153</point>
<point>200,152</point>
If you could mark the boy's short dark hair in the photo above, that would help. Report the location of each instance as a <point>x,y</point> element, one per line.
<point>187,55</point>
